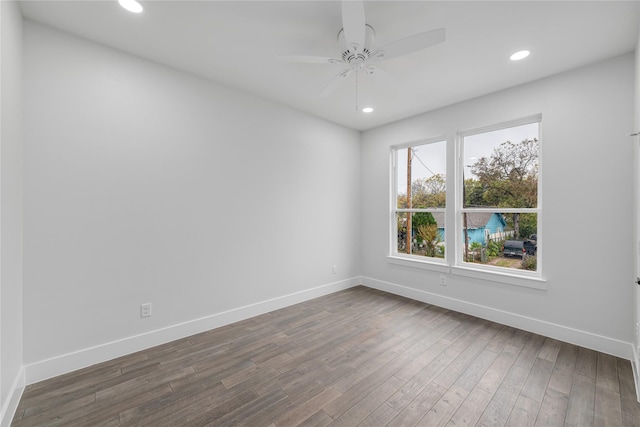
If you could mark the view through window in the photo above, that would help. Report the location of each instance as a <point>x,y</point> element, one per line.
<point>496,205</point>
<point>499,220</point>
<point>421,199</point>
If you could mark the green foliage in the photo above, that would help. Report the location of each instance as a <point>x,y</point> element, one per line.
<point>494,248</point>
<point>429,192</point>
<point>423,218</point>
<point>528,225</point>
<point>426,193</point>
<point>402,201</point>
<point>529,262</point>
<point>509,178</point>
<point>473,193</point>
<point>429,234</point>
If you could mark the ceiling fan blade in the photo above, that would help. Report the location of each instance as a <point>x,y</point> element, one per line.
<point>335,82</point>
<point>353,23</point>
<point>413,43</point>
<point>310,59</point>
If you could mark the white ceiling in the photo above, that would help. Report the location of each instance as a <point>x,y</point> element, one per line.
<point>237,43</point>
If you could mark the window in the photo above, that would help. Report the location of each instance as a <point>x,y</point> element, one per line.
<point>420,199</point>
<point>500,200</point>
<point>494,203</point>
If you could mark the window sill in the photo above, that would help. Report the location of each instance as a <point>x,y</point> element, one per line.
<point>523,280</point>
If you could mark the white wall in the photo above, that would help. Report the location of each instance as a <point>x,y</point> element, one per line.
<point>11,372</point>
<point>145,184</point>
<point>587,222</point>
<point>636,213</point>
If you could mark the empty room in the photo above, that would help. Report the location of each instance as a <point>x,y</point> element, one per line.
<point>313,213</point>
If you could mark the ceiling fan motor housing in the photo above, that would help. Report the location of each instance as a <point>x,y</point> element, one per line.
<point>355,55</point>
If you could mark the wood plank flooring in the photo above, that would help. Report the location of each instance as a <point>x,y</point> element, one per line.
<point>359,357</point>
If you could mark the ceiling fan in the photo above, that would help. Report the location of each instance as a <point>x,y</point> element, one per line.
<point>356,39</point>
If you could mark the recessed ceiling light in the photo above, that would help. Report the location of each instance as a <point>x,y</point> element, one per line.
<point>131,5</point>
<point>367,110</point>
<point>519,55</point>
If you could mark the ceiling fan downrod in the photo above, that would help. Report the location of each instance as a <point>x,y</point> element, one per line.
<point>356,90</point>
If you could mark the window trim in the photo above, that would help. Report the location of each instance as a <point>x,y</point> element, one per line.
<point>460,209</point>
<point>394,255</point>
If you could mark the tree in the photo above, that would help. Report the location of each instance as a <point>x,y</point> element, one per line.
<point>429,192</point>
<point>528,225</point>
<point>508,178</point>
<point>422,218</point>
<point>473,193</point>
<point>429,234</point>
<point>402,201</point>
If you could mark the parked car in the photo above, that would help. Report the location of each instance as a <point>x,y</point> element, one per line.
<point>531,245</point>
<point>519,248</point>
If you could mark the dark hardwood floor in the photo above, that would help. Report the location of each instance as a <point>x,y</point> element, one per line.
<point>359,357</point>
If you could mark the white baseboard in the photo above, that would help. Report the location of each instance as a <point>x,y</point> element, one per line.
<point>563,333</point>
<point>635,365</point>
<point>65,363</point>
<point>12,400</point>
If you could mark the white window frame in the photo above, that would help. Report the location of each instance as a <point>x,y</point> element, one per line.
<point>411,260</point>
<point>453,261</point>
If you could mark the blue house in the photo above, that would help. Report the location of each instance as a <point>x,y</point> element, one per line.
<point>481,226</point>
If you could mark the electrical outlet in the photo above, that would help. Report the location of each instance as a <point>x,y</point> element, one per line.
<point>443,280</point>
<point>334,269</point>
<point>145,310</point>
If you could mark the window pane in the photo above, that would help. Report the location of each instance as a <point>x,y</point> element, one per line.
<point>427,233</point>
<point>421,174</point>
<point>506,240</point>
<point>501,168</point>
